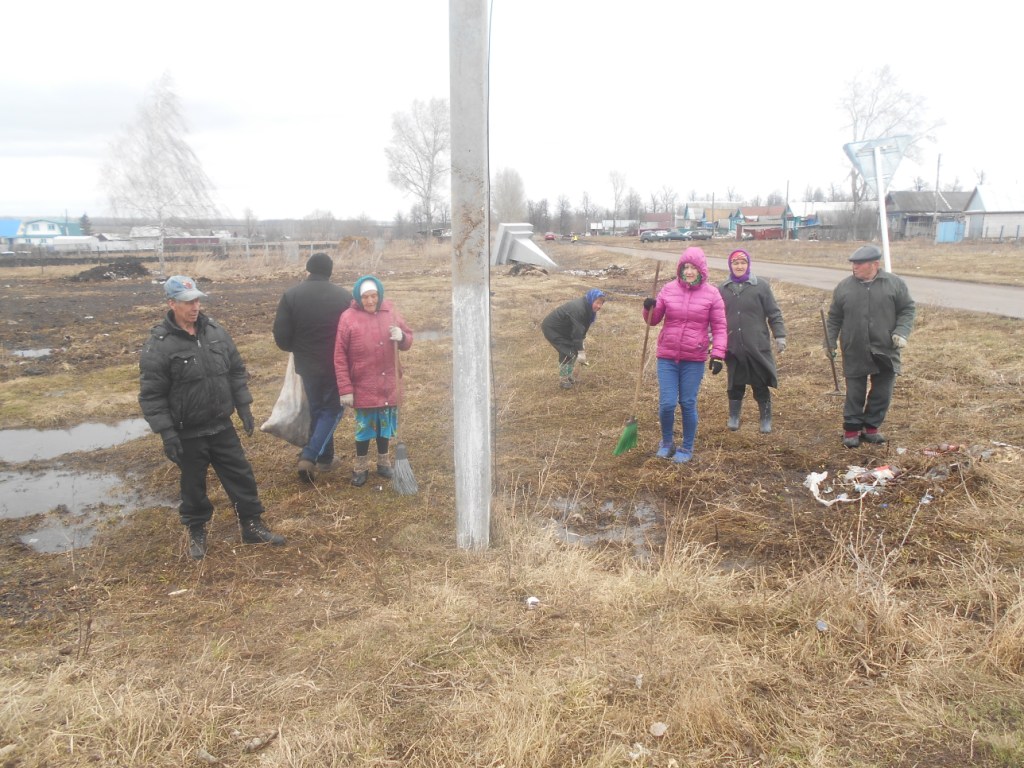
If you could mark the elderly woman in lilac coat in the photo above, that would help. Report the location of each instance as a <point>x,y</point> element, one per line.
<point>691,310</point>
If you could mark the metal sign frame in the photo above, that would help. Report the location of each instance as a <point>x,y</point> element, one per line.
<point>876,160</point>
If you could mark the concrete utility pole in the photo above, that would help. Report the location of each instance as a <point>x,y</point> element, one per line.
<point>471,308</point>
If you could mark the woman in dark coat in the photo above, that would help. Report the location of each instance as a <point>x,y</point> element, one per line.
<point>566,327</point>
<point>750,311</point>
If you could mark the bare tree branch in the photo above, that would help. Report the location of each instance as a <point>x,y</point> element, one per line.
<point>151,172</point>
<point>419,155</point>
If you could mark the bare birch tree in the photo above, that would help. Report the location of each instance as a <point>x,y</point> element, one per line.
<point>508,199</point>
<point>876,107</point>
<point>152,173</point>
<point>564,212</point>
<point>419,157</point>
<point>618,181</point>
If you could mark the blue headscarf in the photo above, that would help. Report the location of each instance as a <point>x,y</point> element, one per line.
<point>593,295</point>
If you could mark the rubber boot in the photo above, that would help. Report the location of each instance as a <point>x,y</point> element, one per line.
<point>384,466</point>
<point>565,379</point>
<point>735,406</point>
<point>360,471</point>
<point>765,407</point>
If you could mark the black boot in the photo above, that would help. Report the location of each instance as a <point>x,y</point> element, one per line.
<point>735,406</point>
<point>765,407</point>
<point>197,541</point>
<point>254,531</point>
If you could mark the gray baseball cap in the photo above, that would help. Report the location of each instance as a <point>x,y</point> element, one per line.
<point>182,288</point>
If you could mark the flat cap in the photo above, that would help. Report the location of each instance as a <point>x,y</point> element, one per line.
<point>866,253</point>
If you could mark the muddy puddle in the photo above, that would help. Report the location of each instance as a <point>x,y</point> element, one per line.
<point>72,505</point>
<point>639,526</point>
<point>20,445</point>
<point>30,354</point>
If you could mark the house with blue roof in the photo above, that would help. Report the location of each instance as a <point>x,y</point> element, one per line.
<point>8,231</point>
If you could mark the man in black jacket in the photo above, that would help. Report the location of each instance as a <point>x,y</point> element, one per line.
<point>192,381</point>
<point>306,325</point>
<point>871,317</point>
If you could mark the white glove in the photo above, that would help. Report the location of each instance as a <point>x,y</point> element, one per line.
<point>396,333</point>
<point>780,344</point>
<point>898,341</point>
<point>581,356</point>
<point>347,401</point>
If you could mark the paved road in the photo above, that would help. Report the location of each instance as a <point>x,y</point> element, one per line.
<point>1004,300</point>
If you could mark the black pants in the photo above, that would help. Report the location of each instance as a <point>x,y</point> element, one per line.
<point>867,406</point>
<point>741,373</point>
<point>761,392</point>
<point>224,452</point>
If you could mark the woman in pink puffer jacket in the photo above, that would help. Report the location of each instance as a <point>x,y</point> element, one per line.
<point>693,311</point>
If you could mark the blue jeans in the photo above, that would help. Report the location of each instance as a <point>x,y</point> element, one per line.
<point>324,415</point>
<point>678,384</point>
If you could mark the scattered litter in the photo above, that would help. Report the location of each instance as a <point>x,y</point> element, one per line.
<point>639,680</point>
<point>611,269</point>
<point>870,480</point>
<point>206,757</point>
<point>821,625</point>
<point>257,743</point>
<point>937,450</point>
<point>658,729</point>
<point>927,498</point>
<point>532,602</point>
<point>177,592</point>
<point>863,481</point>
<point>814,480</point>
<point>639,752</point>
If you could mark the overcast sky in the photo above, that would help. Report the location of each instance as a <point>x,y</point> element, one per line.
<point>290,105</point>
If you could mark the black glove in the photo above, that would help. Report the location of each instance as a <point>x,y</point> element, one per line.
<point>245,414</point>
<point>172,446</point>
<point>715,366</point>
<point>649,303</point>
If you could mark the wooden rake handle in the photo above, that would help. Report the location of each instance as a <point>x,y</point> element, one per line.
<point>398,389</point>
<point>647,335</point>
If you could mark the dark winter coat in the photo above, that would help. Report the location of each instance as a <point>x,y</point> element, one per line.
<point>750,310</point>
<point>864,317</point>
<point>690,313</point>
<point>306,323</point>
<point>566,326</point>
<point>364,355</point>
<point>191,384</point>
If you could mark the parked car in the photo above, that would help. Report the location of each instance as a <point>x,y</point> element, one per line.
<point>678,234</point>
<point>654,236</point>
<point>700,234</point>
<point>550,236</point>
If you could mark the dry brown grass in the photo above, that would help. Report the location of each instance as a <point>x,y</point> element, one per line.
<point>972,261</point>
<point>371,640</point>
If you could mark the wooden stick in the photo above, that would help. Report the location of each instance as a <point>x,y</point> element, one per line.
<point>643,354</point>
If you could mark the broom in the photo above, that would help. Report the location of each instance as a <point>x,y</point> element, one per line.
<point>403,481</point>
<point>627,441</point>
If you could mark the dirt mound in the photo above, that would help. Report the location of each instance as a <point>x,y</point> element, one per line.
<point>119,270</point>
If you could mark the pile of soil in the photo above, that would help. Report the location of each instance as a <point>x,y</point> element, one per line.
<point>122,269</point>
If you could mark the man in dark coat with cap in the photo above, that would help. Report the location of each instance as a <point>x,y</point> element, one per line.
<point>306,325</point>
<point>191,380</point>
<point>871,317</point>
